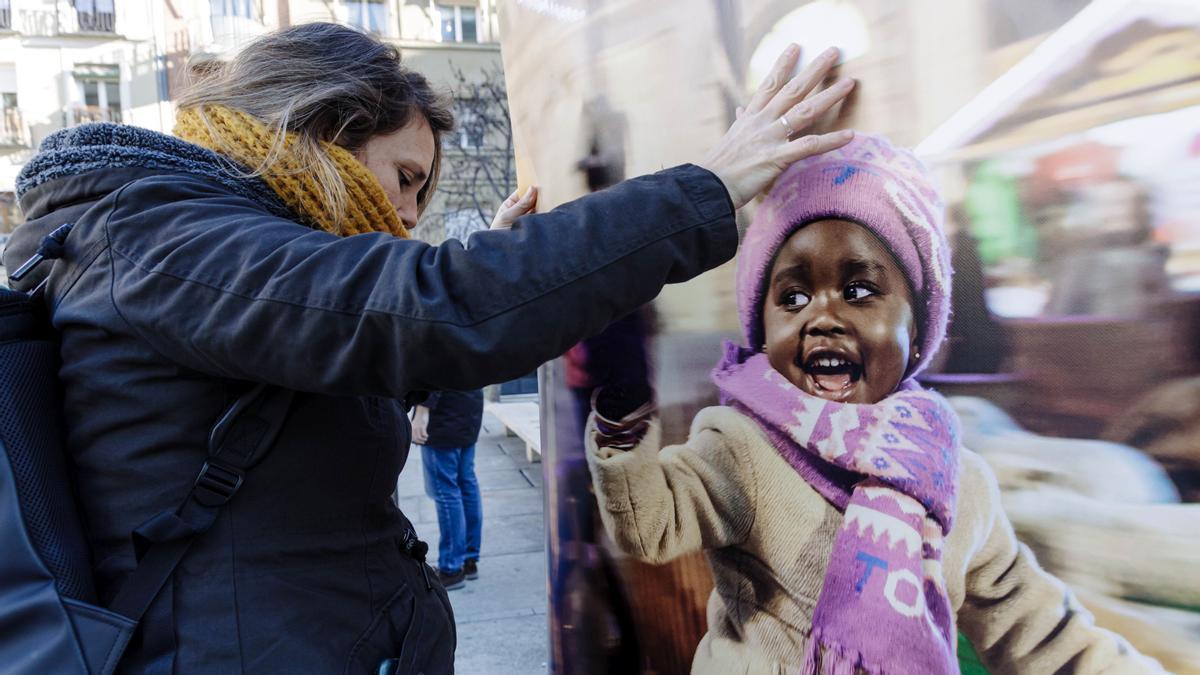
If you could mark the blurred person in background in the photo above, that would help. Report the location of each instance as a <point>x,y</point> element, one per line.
<point>975,340</point>
<point>1108,263</point>
<point>266,243</point>
<point>446,426</point>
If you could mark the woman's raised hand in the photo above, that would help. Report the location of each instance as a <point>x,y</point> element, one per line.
<point>768,135</point>
<point>514,207</point>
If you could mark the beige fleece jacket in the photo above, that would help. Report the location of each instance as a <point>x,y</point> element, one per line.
<point>768,537</point>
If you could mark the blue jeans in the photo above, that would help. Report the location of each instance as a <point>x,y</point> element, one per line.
<point>450,481</point>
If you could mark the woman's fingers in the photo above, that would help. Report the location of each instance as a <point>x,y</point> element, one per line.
<point>802,115</point>
<point>814,145</point>
<point>515,206</point>
<point>769,134</point>
<point>530,198</point>
<point>775,80</point>
<point>525,204</point>
<point>802,85</point>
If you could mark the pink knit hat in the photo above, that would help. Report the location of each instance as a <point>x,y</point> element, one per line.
<point>877,185</point>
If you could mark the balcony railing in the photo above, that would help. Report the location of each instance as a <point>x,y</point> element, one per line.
<point>93,113</point>
<point>65,21</point>
<point>96,22</point>
<point>13,132</point>
<point>371,16</point>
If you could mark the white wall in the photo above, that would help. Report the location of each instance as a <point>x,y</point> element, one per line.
<point>148,31</point>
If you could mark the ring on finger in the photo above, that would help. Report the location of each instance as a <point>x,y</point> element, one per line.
<point>790,131</point>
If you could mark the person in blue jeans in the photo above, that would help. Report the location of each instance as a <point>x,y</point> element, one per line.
<point>446,426</point>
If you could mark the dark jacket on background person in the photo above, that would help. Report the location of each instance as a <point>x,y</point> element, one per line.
<point>454,418</point>
<point>176,291</point>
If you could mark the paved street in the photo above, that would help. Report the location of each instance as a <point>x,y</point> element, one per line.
<point>502,615</point>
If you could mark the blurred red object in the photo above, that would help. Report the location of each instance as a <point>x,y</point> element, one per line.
<point>1082,164</point>
<point>1059,173</point>
<point>1085,163</point>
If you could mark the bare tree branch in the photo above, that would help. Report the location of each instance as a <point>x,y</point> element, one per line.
<point>480,171</point>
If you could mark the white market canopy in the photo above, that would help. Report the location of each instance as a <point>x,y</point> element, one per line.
<point>1114,60</point>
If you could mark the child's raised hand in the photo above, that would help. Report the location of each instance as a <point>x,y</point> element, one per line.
<point>768,134</point>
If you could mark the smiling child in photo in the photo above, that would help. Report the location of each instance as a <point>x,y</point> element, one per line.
<point>846,528</point>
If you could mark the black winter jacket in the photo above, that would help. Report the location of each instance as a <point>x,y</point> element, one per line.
<point>175,292</point>
<point>454,418</point>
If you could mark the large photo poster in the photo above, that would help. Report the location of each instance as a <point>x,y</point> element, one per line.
<point>1064,139</point>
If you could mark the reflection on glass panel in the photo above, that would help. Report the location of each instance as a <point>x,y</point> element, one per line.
<point>112,94</point>
<point>96,15</point>
<point>448,22</point>
<point>1064,138</point>
<point>91,93</point>
<point>469,33</point>
<point>238,8</point>
<point>368,15</point>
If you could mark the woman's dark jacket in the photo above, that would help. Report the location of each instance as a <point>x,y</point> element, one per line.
<point>177,290</point>
<point>454,418</point>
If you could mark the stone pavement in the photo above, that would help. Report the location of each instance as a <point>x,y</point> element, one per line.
<point>501,616</point>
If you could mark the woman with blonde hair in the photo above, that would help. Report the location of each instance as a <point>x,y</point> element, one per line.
<point>266,243</point>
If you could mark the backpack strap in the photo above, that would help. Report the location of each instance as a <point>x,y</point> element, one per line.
<point>239,440</point>
<point>52,248</point>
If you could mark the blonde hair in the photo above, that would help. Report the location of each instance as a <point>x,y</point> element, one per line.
<point>323,83</point>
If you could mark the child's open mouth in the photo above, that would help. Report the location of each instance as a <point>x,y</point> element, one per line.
<point>831,373</point>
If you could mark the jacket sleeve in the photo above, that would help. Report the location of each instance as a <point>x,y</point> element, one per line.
<point>431,401</point>
<point>659,505</point>
<point>217,285</point>
<point>1021,619</point>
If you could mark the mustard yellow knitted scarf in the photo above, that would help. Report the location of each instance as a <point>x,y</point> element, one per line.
<point>247,141</point>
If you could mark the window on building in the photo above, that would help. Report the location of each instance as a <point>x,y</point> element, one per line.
<point>99,93</point>
<point>12,127</point>
<point>458,23</point>
<point>471,130</point>
<point>367,15</point>
<point>467,18</point>
<point>96,16</point>
<point>5,14</point>
<point>239,8</point>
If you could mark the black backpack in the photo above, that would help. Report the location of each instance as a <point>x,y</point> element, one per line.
<point>50,618</point>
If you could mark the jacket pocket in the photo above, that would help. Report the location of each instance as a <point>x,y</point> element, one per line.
<point>394,633</point>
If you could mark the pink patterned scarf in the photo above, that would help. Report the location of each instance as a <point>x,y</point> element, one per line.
<point>883,607</point>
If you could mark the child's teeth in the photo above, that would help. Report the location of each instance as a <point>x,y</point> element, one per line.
<point>830,362</point>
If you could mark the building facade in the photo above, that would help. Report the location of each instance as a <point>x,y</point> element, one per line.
<point>66,62</point>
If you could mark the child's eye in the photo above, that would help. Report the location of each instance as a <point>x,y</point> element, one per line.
<point>795,299</point>
<point>404,181</point>
<point>859,291</point>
